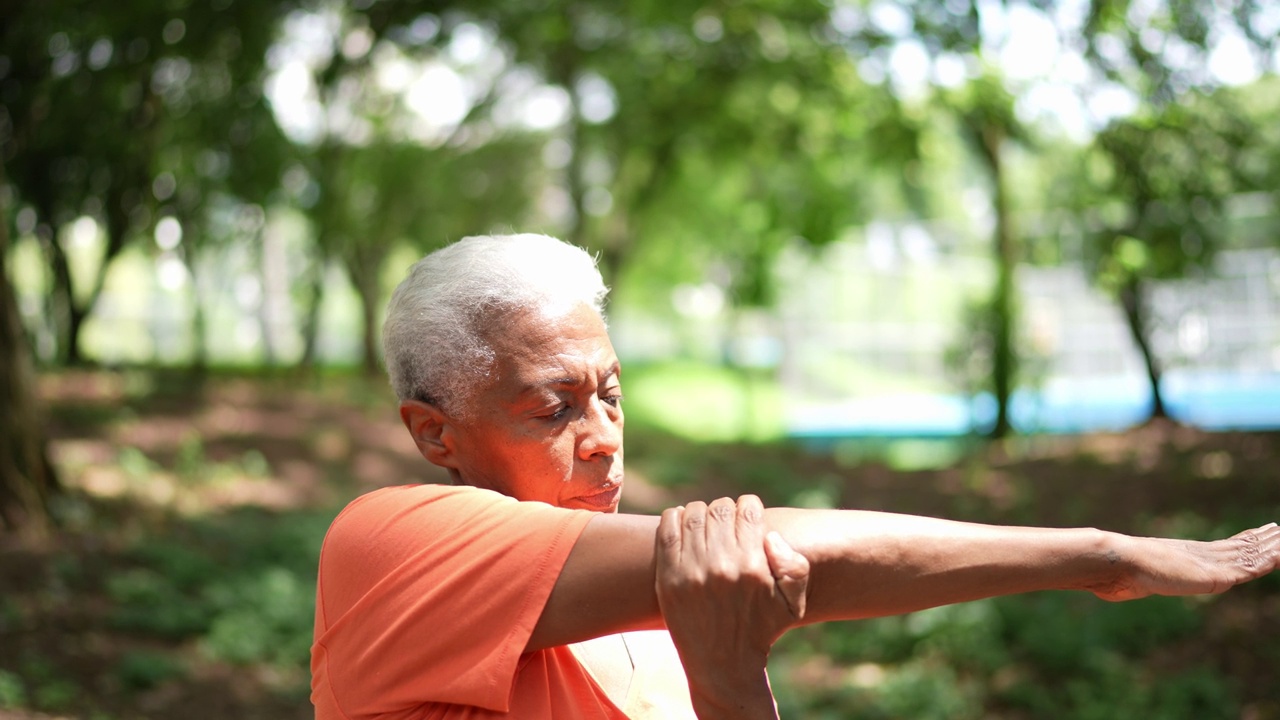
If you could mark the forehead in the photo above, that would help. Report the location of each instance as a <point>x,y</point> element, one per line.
<point>536,346</point>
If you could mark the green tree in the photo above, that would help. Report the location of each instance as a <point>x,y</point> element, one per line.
<point>382,176</point>
<point>89,99</point>
<point>661,93</point>
<point>1174,171</point>
<point>986,117</point>
<point>136,75</point>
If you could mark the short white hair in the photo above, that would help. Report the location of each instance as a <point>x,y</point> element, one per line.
<point>433,338</point>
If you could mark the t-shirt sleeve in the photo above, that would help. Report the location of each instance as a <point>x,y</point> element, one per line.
<point>430,593</point>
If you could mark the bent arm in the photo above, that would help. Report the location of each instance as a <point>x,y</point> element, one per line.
<point>869,564</point>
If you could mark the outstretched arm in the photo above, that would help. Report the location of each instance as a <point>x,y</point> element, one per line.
<point>869,564</point>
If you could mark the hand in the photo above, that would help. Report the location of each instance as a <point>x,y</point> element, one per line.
<point>1161,566</point>
<point>727,591</point>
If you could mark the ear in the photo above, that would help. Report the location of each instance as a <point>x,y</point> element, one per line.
<point>431,431</point>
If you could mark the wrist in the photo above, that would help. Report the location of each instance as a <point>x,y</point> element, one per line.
<point>742,695</point>
<point>1110,561</point>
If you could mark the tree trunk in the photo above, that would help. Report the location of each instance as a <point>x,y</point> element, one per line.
<point>27,478</point>
<point>1004,366</point>
<point>367,289</point>
<point>311,316</point>
<point>267,272</point>
<point>1135,315</point>
<point>61,300</point>
<point>69,313</point>
<point>199,323</point>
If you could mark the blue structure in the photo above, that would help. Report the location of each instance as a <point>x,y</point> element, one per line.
<point>1212,401</point>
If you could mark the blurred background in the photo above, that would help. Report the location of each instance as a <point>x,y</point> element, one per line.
<point>991,260</point>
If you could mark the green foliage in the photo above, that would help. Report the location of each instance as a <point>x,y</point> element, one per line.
<point>165,90</point>
<point>135,463</point>
<point>55,694</point>
<point>1113,688</point>
<point>148,601</point>
<point>1174,169</point>
<point>244,585</point>
<point>266,618</point>
<point>190,462</point>
<point>11,615</point>
<point>143,670</point>
<point>13,694</point>
<point>49,689</point>
<point>930,691</point>
<point>1050,654</point>
<point>1063,632</point>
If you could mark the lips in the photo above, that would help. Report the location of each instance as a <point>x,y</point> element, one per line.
<point>603,501</point>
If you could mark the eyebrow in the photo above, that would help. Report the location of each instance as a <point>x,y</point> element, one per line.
<point>614,369</point>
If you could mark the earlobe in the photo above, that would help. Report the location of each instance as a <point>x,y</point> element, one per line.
<point>429,427</point>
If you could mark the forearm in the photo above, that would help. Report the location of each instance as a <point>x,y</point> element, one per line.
<point>869,564</point>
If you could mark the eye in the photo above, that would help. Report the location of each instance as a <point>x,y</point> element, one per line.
<point>561,410</point>
<point>613,399</point>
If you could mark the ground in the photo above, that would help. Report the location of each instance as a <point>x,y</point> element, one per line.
<point>176,584</point>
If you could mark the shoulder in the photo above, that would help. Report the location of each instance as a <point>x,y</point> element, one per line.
<point>398,499</point>
<point>384,514</point>
<point>393,538</point>
<point>409,519</point>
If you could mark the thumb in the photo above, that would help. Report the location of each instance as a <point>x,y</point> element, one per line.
<point>790,572</point>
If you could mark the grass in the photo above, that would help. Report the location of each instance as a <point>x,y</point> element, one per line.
<point>704,403</point>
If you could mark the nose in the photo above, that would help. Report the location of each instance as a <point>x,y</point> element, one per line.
<point>601,430</point>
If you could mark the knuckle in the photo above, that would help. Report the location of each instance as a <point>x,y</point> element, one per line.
<point>722,569</point>
<point>750,509</point>
<point>1249,556</point>
<point>722,510</point>
<point>758,568</point>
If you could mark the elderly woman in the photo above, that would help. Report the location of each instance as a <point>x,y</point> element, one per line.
<point>519,590</point>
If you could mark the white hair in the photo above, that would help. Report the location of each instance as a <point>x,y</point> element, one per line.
<point>434,335</point>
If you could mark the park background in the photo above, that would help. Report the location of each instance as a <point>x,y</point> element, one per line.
<point>1011,262</point>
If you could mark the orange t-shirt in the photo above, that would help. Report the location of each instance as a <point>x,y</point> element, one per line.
<point>426,598</point>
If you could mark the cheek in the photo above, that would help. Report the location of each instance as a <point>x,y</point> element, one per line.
<point>551,455</point>
<point>565,453</point>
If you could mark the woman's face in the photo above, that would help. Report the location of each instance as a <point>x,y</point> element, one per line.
<point>546,423</point>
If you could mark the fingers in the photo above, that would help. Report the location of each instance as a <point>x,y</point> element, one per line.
<point>1259,550</point>
<point>722,541</point>
<point>723,553</point>
<point>693,537</point>
<point>749,532</point>
<point>668,539</point>
<point>790,571</point>
<point>726,541</point>
<point>749,527</point>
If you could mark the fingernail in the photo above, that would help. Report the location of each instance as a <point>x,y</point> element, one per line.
<point>1268,525</point>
